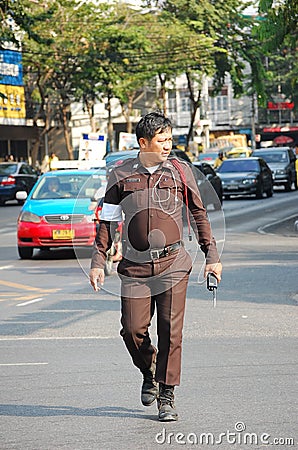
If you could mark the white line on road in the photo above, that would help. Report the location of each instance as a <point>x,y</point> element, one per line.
<point>262,229</point>
<point>31,301</point>
<point>5,267</point>
<point>57,338</point>
<point>25,364</point>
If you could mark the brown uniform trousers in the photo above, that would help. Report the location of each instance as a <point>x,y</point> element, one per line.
<point>159,284</point>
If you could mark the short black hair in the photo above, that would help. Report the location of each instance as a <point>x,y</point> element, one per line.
<point>151,124</point>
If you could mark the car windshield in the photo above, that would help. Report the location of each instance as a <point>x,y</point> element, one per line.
<point>237,165</point>
<point>115,156</point>
<point>237,154</point>
<point>273,157</point>
<point>67,186</point>
<point>6,169</point>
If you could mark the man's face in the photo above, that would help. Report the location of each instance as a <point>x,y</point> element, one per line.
<point>158,149</point>
<point>53,185</point>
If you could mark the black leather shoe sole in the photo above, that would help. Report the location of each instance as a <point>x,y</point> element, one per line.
<point>168,417</point>
<point>166,413</point>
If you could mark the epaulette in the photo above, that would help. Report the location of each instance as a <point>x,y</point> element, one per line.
<point>125,162</point>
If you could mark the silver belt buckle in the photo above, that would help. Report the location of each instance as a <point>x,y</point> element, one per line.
<point>154,254</point>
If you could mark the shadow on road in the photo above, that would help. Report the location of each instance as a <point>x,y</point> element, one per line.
<point>47,411</point>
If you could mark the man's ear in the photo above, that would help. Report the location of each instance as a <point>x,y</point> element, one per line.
<point>143,142</point>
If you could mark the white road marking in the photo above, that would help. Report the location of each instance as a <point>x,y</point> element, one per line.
<point>31,301</point>
<point>58,338</point>
<point>5,267</point>
<point>25,364</point>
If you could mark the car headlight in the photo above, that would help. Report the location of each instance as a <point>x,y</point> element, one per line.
<point>281,172</point>
<point>27,216</point>
<point>251,180</point>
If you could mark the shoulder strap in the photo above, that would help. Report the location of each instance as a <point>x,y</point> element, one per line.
<point>179,167</point>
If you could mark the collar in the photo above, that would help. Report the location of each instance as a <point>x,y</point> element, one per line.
<point>137,165</point>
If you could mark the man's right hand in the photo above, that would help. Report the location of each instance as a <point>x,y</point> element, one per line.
<point>96,276</point>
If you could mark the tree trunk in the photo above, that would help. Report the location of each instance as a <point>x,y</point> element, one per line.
<point>110,126</point>
<point>195,105</point>
<point>90,110</point>
<point>64,111</point>
<point>35,147</point>
<point>162,92</point>
<point>127,111</point>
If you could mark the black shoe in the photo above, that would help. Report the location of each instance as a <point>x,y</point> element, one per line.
<point>149,391</point>
<point>165,403</point>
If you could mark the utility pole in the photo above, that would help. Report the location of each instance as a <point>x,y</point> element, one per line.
<point>253,125</point>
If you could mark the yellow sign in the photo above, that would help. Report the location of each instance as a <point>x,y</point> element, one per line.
<point>12,102</point>
<point>63,234</point>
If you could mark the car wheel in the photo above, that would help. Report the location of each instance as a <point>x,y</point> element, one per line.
<point>288,186</point>
<point>25,252</point>
<point>259,192</point>
<point>269,193</point>
<point>2,202</point>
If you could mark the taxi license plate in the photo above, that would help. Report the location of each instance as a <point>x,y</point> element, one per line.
<point>63,234</point>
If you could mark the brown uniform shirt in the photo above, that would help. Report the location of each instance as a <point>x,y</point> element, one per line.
<point>152,205</point>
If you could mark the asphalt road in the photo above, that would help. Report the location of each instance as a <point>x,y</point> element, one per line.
<point>67,381</point>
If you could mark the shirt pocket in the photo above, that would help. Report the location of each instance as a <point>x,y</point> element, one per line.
<point>134,196</point>
<point>165,196</point>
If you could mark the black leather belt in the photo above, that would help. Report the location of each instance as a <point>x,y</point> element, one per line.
<point>153,254</point>
<point>161,252</point>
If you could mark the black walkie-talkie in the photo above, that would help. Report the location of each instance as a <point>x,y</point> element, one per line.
<point>212,286</point>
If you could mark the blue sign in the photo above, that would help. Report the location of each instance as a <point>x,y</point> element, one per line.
<point>245,131</point>
<point>100,137</point>
<point>182,139</point>
<point>11,71</point>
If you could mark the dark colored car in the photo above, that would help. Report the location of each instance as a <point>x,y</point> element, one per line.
<point>15,177</point>
<point>180,154</point>
<point>246,176</point>
<point>206,176</point>
<point>281,161</point>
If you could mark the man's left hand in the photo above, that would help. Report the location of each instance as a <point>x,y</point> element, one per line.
<point>216,269</point>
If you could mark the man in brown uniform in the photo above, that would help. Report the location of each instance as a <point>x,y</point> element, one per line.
<point>150,191</point>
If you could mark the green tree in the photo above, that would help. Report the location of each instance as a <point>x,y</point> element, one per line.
<point>279,24</point>
<point>278,33</point>
<point>112,49</point>
<point>56,63</point>
<point>223,36</point>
